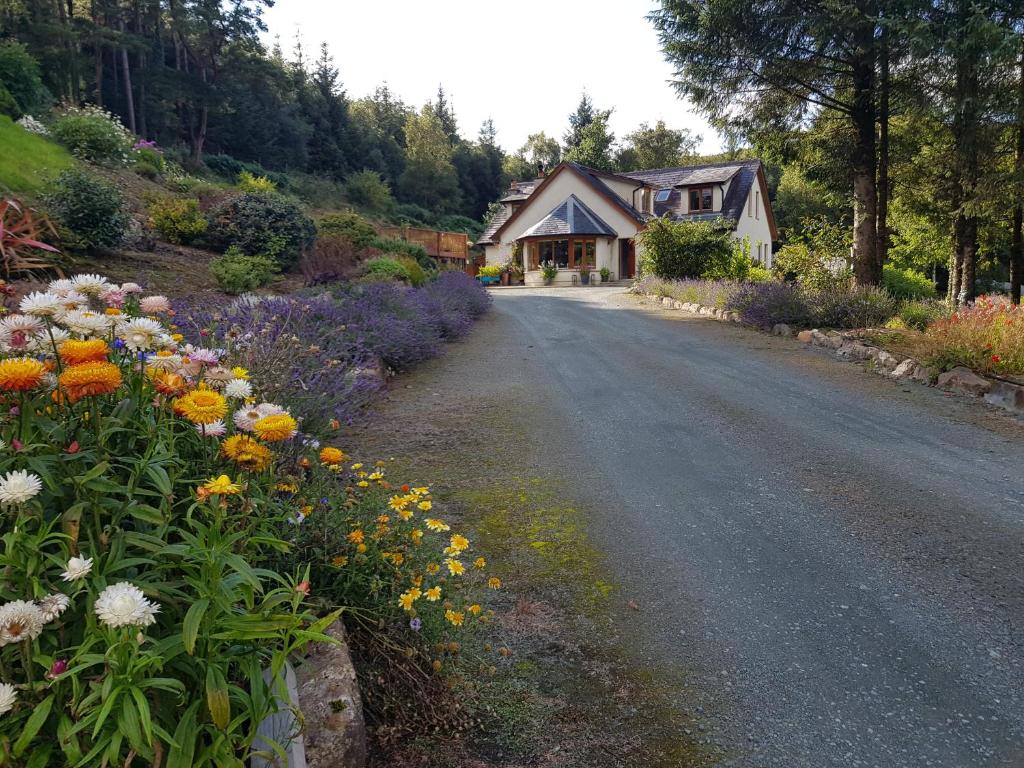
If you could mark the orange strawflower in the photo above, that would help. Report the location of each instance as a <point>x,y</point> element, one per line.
<point>20,374</point>
<point>74,352</point>
<point>246,452</point>
<point>202,406</point>
<point>89,380</point>
<point>332,456</point>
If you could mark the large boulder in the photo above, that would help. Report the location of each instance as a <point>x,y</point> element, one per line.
<point>807,337</point>
<point>781,329</point>
<point>904,369</point>
<point>884,360</point>
<point>853,351</point>
<point>1006,395</point>
<point>965,381</point>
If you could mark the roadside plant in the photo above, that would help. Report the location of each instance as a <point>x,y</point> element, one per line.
<point>490,270</point>
<point>677,250</point>
<point>267,224</point>
<point>249,182</point>
<point>386,269</point>
<point>987,337</point>
<point>135,619</point>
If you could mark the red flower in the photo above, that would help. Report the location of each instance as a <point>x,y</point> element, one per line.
<point>303,587</point>
<point>73,448</point>
<point>996,358</point>
<point>58,668</point>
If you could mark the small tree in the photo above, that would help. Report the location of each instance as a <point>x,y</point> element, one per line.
<point>677,250</point>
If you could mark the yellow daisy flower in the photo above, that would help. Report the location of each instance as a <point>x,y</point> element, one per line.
<point>455,617</point>
<point>434,594</point>
<point>455,568</point>
<point>222,486</point>
<point>436,525</point>
<point>479,563</point>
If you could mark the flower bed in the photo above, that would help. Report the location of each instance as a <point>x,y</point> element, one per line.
<point>987,337</point>
<point>152,500</point>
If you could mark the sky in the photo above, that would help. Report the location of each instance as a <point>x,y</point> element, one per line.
<point>522,63</point>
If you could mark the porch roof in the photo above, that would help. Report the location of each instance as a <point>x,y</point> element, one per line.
<point>570,217</point>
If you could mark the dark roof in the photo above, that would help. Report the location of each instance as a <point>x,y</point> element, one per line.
<point>570,217</point>
<point>743,174</point>
<point>594,178</point>
<point>520,190</point>
<point>499,218</point>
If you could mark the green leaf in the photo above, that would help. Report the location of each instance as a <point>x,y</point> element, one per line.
<point>217,700</point>
<point>146,514</point>
<point>159,477</point>
<point>33,724</point>
<point>190,626</point>
<point>40,756</point>
<point>184,746</point>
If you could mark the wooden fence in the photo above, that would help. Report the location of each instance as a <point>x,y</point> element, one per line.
<point>446,247</point>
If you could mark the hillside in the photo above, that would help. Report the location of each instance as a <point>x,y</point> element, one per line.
<point>27,160</point>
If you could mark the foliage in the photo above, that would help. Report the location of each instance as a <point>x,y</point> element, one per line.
<point>405,248</point>
<point>677,250</point>
<point>590,141</point>
<point>249,182</point>
<point>918,315</point>
<point>262,224</point>
<point>765,304</point>
<point>429,178</point>
<point>27,160</point>
<point>89,208</point>
<point>368,190</point>
<point>708,293</point>
<point>490,270</point>
<point>987,337</point>
<point>656,147</point>
<point>758,274</point>
<point>237,272</point>
<point>349,226</point>
<point>606,274</point>
<point>330,259</point>
<point>540,153</point>
<point>414,272</point>
<point>178,220</point>
<point>548,271</point>
<point>843,305</point>
<point>906,283</point>
<point>21,78</point>
<point>132,592</point>
<point>23,234</point>
<point>387,268</point>
<point>8,106</point>
<point>93,134</point>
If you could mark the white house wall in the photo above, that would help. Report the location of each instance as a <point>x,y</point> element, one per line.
<point>754,226</point>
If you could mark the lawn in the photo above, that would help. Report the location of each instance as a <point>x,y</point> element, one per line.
<point>28,160</point>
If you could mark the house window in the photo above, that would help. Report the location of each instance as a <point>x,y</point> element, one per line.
<point>702,199</point>
<point>565,254</point>
<point>757,205</point>
<point>663,195</point>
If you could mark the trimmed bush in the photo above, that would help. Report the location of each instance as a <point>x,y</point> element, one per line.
<point>405,248</point>
<point>237,272</point>
<point>386,269</point>
<point>90,209</point>
<point>416,275</point>
<point>349,226</point>
<point>677,250</point>
<point>93,134</point>
<point>249,182</point>
<point>369,190</point>
<point>261,224</point>
<point>907,283</point>
<point>178,220</point>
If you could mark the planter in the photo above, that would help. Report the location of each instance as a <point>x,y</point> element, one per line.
<point>585,278</point>
<point>504,278</point>
<point>487,280</point>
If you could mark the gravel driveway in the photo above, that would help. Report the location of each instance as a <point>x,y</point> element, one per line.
<point>834,562</point>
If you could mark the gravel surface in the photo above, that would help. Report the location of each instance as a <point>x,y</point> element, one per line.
<point>833,562</point>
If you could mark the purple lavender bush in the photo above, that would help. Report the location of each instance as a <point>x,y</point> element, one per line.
<point>843,305</point>
<point>765,304</point>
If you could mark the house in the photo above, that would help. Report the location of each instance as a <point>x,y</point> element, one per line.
<point>578,215</point>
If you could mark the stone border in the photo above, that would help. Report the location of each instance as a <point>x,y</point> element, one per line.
<point>851,346</point>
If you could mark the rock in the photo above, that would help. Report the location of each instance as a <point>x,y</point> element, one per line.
<point>677,305</point>
<point>281,727</point>
<point>1006,395</point>
<point>965,381</point>
<point>706,310</point>
<point>853,350</point>
<point>666,301</point>
<point>904,369</point>
<point>335,732</point>
<point>735,317</point>
<point>819,339</point>
<point>834,340</point>
<point>781,329</point>
<point>807,337</point>
<point>884,360</point>
<point>922,374</point>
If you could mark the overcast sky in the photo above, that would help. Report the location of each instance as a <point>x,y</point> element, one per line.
<point>523,63</point>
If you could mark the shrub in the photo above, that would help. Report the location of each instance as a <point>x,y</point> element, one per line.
<point>920,314</point>
<point>490,270</point>
<point>386,268</point>
<point>93,134</point>
<point>416,275</point>
<point>987,337</point>
<point>237,272</point>
<point>330,258</point>
<point>405,248</point>
<point>765,304</point>
<point>248,182</point>
<point>906,283</point>
<point>369,190</point>
<point>90,209</point>
<point>178,220</point>
<point>843,305</point>
<point>224,166</point>
<point>20,77</point>
<point>350,226</point>
<point>261,224</point>
<point>8,105</point>
<point>758,274</point>
<point>412,215</point>
<point>817,258</point>
<point>676,250</point>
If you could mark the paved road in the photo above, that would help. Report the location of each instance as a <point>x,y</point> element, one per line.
<point>837,561</point>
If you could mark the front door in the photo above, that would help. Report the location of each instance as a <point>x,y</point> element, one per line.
<point>627,259</point>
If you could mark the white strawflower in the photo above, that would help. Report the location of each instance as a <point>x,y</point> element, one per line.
<point>216,429</point>
<point>124,605</point>
<point>89,284</point>
<point>42,342</point>
<point>164,362</point>
<point>22,324</point>
<point>131,288</point>
<point>140,333</point>
<point>77,568</point>
<point>18,486</point>
<point>239,388</point>
<point>61,287</point>
<point>85,322</point>
<point>269,409</point>
<point>40,304</point>
<point>154,305</point>
<point>53,606</point>
<point>8,696</point>
<point>245,418</point>
<point>20,620</point>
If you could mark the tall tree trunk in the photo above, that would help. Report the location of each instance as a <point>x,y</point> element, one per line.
<point>129,96</point>
<point>966,136</point>
<point>1017,244</point>
<point>866,268</point>
<point>882,226</point>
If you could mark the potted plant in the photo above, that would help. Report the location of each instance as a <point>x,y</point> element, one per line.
<point>585,273</point>
<point>515,274</point>
<point>548,271</point>
<point>606,274</point>
<point>489,275</point>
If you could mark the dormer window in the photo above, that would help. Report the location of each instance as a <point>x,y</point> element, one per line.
<point>702,199</point>
<point>663,195</point>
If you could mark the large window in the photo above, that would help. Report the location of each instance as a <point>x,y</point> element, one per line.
<point>566,254</point>
<point>702,199</point>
